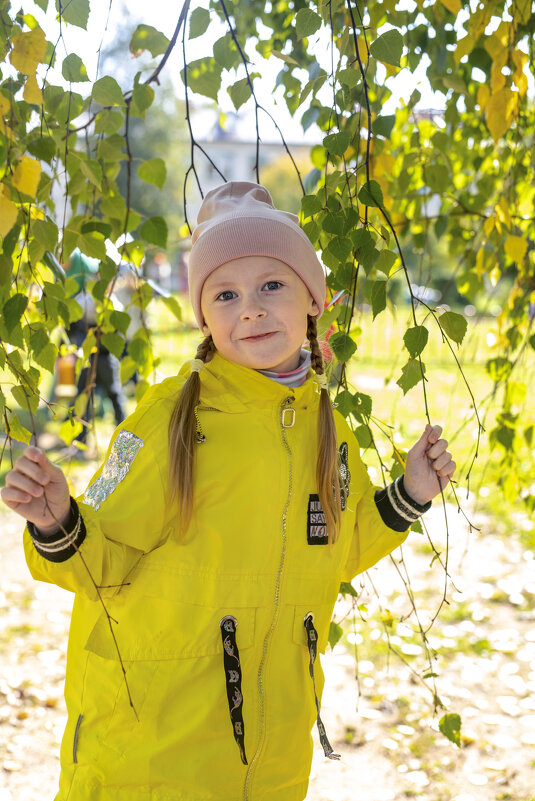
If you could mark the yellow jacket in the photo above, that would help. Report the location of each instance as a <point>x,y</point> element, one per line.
<point>252,554</point>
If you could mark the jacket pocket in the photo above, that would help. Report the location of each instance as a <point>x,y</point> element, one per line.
<point>151,628</point>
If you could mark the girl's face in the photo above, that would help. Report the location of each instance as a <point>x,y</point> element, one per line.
<point>256,310</point>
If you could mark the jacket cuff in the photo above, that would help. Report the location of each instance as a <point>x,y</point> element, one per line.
<point>396,507</point>
<point>58,547</point>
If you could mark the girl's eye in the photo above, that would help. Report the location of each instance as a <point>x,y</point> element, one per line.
<point>271,285</point>
<point>226,295</point>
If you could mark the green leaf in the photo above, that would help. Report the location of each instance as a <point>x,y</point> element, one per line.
<point>17,431</point>
<point>114,343</point>
<point>364,248</point>
<point>148,38</point>
<point>437,177</point>
<point>378,297</point>
<point>363,435</point>
<point>139,351</point>
<point>153,172</point>
<point>371,194</point>
<point>310,116</point>
<point>337,143</point>
<point>415,339</point>
<point>450,726</point>
<point>226,53</point>
<point>25,399</point>
<point>108,121</point>
<point>499,369</point>
<point>310,204</point>
<point>204,77</point>
<point>13,310</point>
<point>92,244</point>
<point>154,231</point>
<point>411,374</point>
<point>307,22</point>
<point>43,4</point>
<point>388,48</point>
<point>342,345</point>
<point>73,69</point>
<point>386,260</point>
<point>350,76</point>
<point>92,171</point>
<point>382,126</point>
<point>348,589</point>
<point>142,99</point>
<point>335,633</point>
<point>47,357</point>
<point>240,92</point>
<point>107,92</point>
<point>345,402</point>
<point>46,232</point>
<point>44,147</point>
<point>198,22</point>
<point>76,12</point>
<point>120,320</point>
<point>174,306</point>
<point>340,247</point>
<point>454,325</point>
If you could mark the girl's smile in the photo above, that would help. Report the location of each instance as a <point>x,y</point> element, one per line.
<point>255,309</point>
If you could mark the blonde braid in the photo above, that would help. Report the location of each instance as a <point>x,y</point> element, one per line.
<point>327,465</point>
<point>182,440</point>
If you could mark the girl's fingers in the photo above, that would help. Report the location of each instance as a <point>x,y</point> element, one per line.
<point>441,461</point>
<point>437,449</point>
<point>23,483</point>
<point>35,467</point>
<point>12,497</point>
<point>448,471</point>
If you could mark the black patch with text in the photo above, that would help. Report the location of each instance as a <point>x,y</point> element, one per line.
<point>316,525</point>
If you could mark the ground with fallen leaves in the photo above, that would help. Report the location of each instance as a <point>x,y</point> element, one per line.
<point>384,726</point>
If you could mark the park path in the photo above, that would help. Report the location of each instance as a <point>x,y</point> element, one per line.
<point>391,748</point>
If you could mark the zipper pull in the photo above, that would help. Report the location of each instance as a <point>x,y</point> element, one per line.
<point>288,413</point>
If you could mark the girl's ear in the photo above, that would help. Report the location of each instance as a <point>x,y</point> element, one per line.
<point>313,309</point>
<point>206,330</point>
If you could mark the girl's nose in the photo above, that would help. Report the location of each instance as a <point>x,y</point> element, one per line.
<point>252,310</point>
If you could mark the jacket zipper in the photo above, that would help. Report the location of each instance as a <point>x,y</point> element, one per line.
<point>287,419</point>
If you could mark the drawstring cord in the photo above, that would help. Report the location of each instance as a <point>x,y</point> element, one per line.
<point>231,661</point>
<point>312,637</point>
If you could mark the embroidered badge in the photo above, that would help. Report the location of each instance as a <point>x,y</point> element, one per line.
<point>316,525</point>
<point>122,454</point>
<point>345,475</point>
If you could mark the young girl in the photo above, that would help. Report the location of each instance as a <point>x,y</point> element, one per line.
<point>231,505</point>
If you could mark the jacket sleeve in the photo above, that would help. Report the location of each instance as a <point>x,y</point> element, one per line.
<point>123,512</point>
<point>372,537</point>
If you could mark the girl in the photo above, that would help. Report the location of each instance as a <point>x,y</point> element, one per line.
<point>231,505</point>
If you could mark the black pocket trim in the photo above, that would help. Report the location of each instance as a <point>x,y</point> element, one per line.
<point>233,676</point>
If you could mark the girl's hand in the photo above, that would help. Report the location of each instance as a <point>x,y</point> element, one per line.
<point>32,480</point>
<point>429,466</point>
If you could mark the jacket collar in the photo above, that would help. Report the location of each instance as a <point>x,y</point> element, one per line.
<point>231,387</point>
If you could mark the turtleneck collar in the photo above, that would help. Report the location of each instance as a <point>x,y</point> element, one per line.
<point>295,378</point>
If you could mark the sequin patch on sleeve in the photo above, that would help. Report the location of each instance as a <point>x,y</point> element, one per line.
<point>122,454</point>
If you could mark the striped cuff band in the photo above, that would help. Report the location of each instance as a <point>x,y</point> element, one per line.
<point>59,547</point>
<point>396,507</point>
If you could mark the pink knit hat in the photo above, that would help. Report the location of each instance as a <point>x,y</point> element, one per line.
<point>238,219</point>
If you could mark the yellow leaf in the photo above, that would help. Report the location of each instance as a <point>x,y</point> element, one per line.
<point>497,78</point>
<point>26,176</point>
<point>479,20</point>
<point>489,225</point>
<point>8,211</point>
<point>522,11</point>
<point>464,46</point>
<point>501,111</point>
<point>483,94</point>
<point>5,105</point>
<point>495,275</point>
<point>520,58</point>
<point>383,164</point>
<point>28,50</point>
<point>452,5</point>
<point>32,92</point>
<point>502,212</point>
<point>515,247</point>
